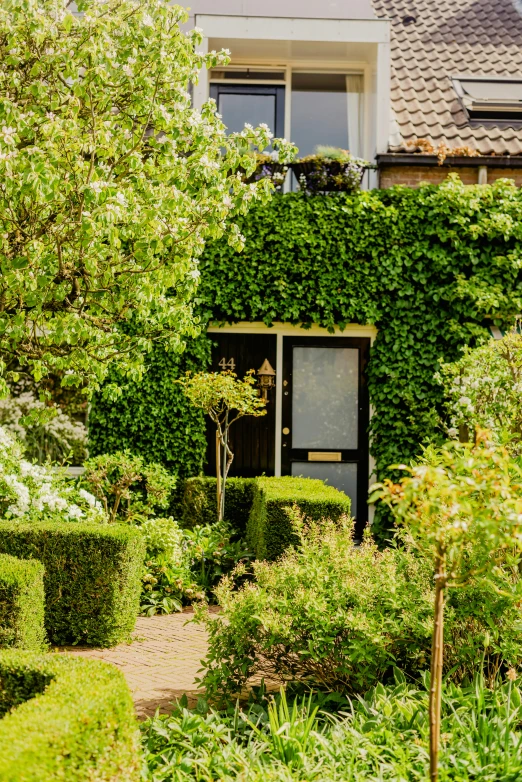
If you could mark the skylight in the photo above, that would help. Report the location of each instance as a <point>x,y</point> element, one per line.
<point>490,98</point>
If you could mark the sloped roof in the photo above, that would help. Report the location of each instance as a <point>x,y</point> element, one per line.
<point>450,38</point>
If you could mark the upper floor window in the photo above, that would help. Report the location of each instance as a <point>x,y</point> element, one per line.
<point>253,103</point>
<point>325,108</point>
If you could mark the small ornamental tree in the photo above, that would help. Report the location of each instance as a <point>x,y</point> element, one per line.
<point>110,183</point>
<point>224,398</point>
<point>484,390</point>
<point>463,509</point>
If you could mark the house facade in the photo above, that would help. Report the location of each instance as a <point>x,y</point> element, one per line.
<point>414,91</point>
<point>352,302</point>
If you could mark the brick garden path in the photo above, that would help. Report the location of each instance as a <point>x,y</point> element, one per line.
<point>161,663</point>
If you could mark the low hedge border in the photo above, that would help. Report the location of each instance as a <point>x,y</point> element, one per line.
<point>92,577</point>
<point>269,528</point>
<point>71,719</point>
<point>21,603</point>
<point>200,503</point>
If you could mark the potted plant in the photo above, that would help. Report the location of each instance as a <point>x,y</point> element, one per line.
<point>269,167</point>
<point>329,169</point>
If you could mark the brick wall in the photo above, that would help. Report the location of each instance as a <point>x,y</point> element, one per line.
<point>412,176</point>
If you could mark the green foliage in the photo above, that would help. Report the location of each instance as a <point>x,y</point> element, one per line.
<point>21,603</point>
<point>224,398</point>
<point>154,418</point>
<point>184,566</point>
<point>425,266</point>
<point>219,393</point>
<point>127,486</point>
<point>270,528</point>
<point>199,502</point>
<point>462,506</point>
<point>484,390</point>
<point>381,736</point>
<point>102,220</point>
<point>92,577</point>
<point>71,719</point>
<point>341,617</point>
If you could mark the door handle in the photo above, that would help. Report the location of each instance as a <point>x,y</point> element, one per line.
<point>286,430</point>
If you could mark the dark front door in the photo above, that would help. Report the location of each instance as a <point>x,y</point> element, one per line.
<point>325,414</point>
<point>252,439</point>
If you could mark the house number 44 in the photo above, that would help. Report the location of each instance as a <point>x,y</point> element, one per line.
<point>230,364</point>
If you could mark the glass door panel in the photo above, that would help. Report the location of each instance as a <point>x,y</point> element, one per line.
<point>325,397</point>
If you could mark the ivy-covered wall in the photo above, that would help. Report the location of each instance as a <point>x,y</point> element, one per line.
<point>428,267</point>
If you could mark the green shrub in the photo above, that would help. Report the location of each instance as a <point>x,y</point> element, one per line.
<point>92,577</point>
<point>71,719</point>
<point>200,503</point>
<point>341,617</point>
<point>21,603</point>
<point>270,529</point>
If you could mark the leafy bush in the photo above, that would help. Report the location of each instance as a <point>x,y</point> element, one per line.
<point>92,577</point>
<point>21,603</point>
<point>127,486</point>
<point>47,432</point>
<point>199,502</point>
<point>341,617</point>
<point>484,390</point>
<point>270,527</point>
<point>381,736</point>
<point>29,492</point>
<point>70,719</point>
<point>178,575</point>
<point>163,537</point>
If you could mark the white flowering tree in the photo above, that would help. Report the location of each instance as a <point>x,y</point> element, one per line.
<point>484,390</point>
<point>110,183</point>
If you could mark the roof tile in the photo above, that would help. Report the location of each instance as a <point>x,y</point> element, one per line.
<point>451,37</point>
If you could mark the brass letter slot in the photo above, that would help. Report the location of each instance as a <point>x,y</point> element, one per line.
<point>324,456</point>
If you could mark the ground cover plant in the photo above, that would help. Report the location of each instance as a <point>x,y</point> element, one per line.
<point>383,735</point>
<point>185,565</point>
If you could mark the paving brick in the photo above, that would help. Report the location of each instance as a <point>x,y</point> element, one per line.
<point>162,662</point>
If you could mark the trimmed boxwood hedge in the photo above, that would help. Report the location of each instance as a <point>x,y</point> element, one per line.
<point>21,603</point>
<point>269,528</point>
<point>200,503</point>
<point>71,719</point>
<point>92,577</point>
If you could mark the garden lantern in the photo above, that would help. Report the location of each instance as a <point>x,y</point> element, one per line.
<point>266,376</point>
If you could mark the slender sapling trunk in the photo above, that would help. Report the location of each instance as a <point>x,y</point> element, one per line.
<point>437,650</point>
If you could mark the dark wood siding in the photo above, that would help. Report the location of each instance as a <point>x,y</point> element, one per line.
<point>252,439</point>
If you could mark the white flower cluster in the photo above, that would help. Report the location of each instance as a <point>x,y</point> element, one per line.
<point>36,493</point>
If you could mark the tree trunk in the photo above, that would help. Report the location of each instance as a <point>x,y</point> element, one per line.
<point>437,650</point>
<point>224,468</point>
<point>218,474</point>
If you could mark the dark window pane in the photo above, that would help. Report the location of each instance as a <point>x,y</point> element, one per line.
<point>238,108</point>
<point>319,111</point>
